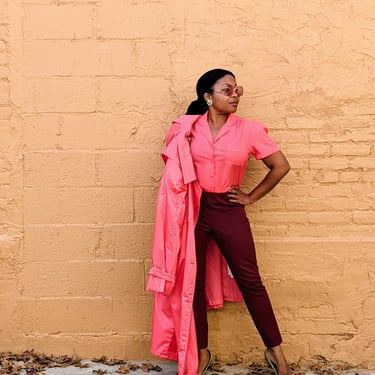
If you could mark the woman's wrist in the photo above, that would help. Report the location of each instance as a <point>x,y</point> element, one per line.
<point>249,199</point>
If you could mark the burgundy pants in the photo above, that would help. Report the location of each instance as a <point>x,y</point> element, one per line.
<point>228,225</point>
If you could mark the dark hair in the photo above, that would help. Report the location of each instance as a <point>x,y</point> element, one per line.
<point>204,84</point>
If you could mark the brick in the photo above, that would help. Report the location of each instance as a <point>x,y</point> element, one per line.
<point>60,58</point>
<point>369,308</point>
<point>83,279</point>
<point>60,95</point>
<point>286,137</point>
<point>4,32</point>
<point>43,131</point>
<point>91,132</point>
<point>307,150</point>
<point>110,132</point>
<point>59,169</point>
<point>4,92</point>
<point>7,288</point>
<point>317,326</point>
<point>46,210</point>
<point>10,210</point>
<point>120,95</point>
<point>111,205</point>
<point>62,243</point>
<point>351,150</point>
<point>351,176</point>
<point>325,312</point>
<point>39,279</point>
<point>330,218</point>
<point>58,21</point>
<point>297,293</point>
<point>345,135</point>
<point>275,218</point>
<point>298,163</point>
<point>334,203</point>
<point>364,218</point>
<point>68,315</point>
<point>4,60</point>
<point>9,246</point>
<point>261,231</point>
<point>273,202</point>
<point>354,295</point>
<point>339,163</point>
<point>77,57</point>
<point>142,168</point>
<point>8,325</point>
<point>300,190</point>
<point>3,12</point>
<point>138,313</point>
<point>4,178</point>
<point>368,176</point>
<point>145,204</point>
<point>123,20</point>
<point>303,123</point>
<point>9,144</point>
<point>9,267</point>
<point>4,67</point>
<point>323,230</point>
<point>107,279</point>
<point>87,242</point>
<point>299,257</point>
<point>129,241</point>
<point>328,177</point>
<point>115,58</point>
<point>79,206</point>
<point>159,64</point>
<point>5,112</point>
<point>4,74</point>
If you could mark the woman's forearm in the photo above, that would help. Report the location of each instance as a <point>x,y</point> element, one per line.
<point>272,178</point>
<point>278,168</point>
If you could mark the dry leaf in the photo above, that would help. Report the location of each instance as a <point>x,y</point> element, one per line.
<point>123,369</point>
<point>146,367</point>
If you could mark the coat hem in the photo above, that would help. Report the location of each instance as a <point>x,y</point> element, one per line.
<point>172,356</point>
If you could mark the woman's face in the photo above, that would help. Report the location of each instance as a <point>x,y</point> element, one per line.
<point>226,95</point>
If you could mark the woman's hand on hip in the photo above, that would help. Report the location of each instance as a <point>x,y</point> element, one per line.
<point>236,195</point>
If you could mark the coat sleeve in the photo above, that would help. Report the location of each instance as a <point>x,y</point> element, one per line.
<point>170,210</point>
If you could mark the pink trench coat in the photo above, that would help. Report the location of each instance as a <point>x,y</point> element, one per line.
<point>173,272</point>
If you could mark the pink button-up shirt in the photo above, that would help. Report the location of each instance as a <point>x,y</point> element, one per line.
<point>221,163</point>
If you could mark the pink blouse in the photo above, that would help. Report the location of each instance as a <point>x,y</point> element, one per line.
<point>221,163</point>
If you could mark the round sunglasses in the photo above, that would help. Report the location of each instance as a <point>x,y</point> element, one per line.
<point>229,90</point>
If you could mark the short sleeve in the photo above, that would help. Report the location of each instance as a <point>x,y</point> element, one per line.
<point>262,145</point>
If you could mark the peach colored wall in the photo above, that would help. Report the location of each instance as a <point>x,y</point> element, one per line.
<point>87,91</point>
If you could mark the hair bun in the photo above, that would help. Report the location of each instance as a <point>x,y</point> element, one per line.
<point>197,107</point>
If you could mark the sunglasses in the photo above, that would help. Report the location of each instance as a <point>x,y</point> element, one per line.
<point>229,90</point>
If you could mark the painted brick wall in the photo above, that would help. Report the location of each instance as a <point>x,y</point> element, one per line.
<point>87,91</point>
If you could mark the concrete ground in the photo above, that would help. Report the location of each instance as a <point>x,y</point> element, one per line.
<point>169,368</point>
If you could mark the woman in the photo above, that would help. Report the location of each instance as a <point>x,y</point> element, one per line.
<point>219,145</point>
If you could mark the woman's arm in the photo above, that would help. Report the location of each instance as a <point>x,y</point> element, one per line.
<point>278,168</point>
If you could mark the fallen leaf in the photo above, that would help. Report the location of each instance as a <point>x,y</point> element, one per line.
<point>123,369</point>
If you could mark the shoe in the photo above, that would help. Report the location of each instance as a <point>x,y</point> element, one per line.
<point>272,364</point>
<point>207,365</point>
